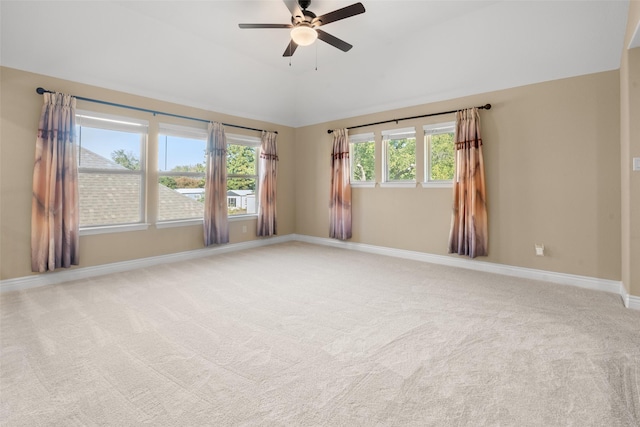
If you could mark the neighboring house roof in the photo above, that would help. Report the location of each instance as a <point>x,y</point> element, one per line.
<point>107,198</point>
<point>239,193</point>
<point>174,205</point>
<point>89,159</point>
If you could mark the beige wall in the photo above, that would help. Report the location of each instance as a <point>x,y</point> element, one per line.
<point>630,148</point>
<point>19,110</point>
<point>552,159</point>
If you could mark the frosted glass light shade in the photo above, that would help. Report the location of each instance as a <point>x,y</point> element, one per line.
<point>303,35</point>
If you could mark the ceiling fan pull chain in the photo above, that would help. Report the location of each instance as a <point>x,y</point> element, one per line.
<point>316,56</point>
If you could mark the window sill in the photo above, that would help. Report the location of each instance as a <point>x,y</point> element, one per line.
<point>189,222</point>
<point>437,184</point>
<point>179,223</point>
<point>408,184</point>
<point>363,184</point>
<point>105,229</point>
<point>246,217</point>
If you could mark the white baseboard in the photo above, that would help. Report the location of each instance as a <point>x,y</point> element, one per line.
<point>586,282</point>
<point>61,276</point>
<point>630,301</point>
<point>36,280</point>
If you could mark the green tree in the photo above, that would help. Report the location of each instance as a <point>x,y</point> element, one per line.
<point>401,159</point>
<point>168,181</point>
<point>126,159</point>
<point>241,160</point>
<point>189,182</point>
<point>363,162</point>
<point>185,181</point>
<point>442,157</point>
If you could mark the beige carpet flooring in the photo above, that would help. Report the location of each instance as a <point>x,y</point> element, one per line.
<point>301,335</point>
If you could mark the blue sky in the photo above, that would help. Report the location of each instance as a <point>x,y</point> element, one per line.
<point>177,151</point>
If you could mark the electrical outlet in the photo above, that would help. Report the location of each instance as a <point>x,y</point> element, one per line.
<point>539,249</point>
<point>636,163</point>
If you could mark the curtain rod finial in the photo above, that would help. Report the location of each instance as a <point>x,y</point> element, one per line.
<point>40,90</point>
<point>487,107</point>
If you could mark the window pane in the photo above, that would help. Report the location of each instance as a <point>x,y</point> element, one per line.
<point>401,159</point>
<point>180,197</point>
<point>362,161</point>
<point>241,159</point>
<point>242,179</point>
<point>108,149</point>
<point>441,157</point>
<point>110,198</point>
<point>107,199</point>
<point>176,154</point>
<point>241,196</point>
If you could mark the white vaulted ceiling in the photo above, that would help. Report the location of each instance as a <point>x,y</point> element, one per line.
<point>405,52</point>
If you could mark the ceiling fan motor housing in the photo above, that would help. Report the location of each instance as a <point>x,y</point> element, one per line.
<point>307,18</point>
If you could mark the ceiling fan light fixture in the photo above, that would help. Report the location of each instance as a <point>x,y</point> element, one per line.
<point>303,35</point>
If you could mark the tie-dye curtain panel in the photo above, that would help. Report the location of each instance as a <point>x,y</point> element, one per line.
<point>469,234</point>
<point>267,186</point>
<point>55,220</point>
<point>340,206</point>
<point>216,222</point>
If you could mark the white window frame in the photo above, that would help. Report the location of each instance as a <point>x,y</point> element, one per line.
<point>250,141</point>
<point>180,132</point>
<point>408,132</point>
<point>91,119</point>
<point>361,138</point>
<point>435,129</point>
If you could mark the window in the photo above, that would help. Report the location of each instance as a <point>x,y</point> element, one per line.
<point>399,155</point>
<point>439,153</point>
<point>181,175</point>
<point>242,174</point>
<point>362,156</point>
<point>111,169</point>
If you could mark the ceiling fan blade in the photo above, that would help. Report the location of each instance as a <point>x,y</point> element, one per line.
<point>333,40</point>
<point>293,7</point>
<point>336,15</point>
<point>245,26</point>
<point>291,48</point>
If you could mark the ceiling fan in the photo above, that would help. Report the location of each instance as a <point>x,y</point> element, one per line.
<point>304,25</point>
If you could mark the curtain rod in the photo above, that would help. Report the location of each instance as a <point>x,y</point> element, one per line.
<point>97,101</point>
<point>483,107</point>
